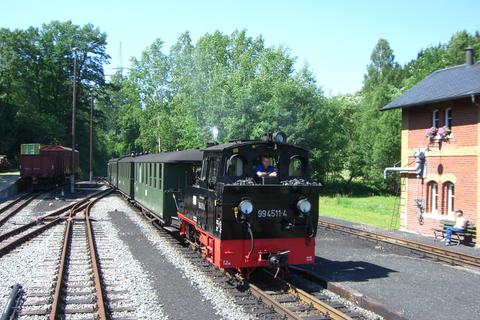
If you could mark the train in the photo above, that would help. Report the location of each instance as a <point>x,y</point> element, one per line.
<point>220,199</point>
<point>46,164</point>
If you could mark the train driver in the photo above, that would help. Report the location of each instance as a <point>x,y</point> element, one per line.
<point>265,169</point>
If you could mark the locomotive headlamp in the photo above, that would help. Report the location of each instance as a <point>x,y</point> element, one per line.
<point>304,206</point>
<point>279,137</point>
<point>246,207</point>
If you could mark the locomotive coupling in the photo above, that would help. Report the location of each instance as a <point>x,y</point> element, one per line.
<point>278,260</point>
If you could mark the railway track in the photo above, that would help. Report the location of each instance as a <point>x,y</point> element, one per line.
<point>293,303</point>
<point>426,250</point>
<point>15,206</point>
<point>283,297</point>
<point>73,287</point>
<point>12,239</point>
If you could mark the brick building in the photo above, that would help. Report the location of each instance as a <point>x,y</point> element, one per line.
<point>441,118</point>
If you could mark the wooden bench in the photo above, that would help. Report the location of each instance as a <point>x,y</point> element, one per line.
<point>467,236</point>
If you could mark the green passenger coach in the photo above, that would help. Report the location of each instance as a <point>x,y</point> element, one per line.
<point>125,176</point>
<point>112,171</point>
<point>151,181</point>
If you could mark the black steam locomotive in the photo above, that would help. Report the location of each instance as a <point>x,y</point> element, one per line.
<point>240,217</point>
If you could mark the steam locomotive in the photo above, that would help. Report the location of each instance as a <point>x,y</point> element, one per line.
<point>215,199</point>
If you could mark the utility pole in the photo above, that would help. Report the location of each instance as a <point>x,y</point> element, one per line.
<point>74,109</point>
<point>91,136</point>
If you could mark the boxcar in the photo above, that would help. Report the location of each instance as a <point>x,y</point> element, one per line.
<point>47,163</point>
<point>158,177</point>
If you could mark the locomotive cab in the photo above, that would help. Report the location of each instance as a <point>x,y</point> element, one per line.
<point>245,221</point>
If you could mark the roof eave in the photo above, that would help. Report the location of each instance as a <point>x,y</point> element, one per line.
<point>386,108</point>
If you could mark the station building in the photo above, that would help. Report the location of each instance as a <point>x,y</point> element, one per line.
<point>441,118</point>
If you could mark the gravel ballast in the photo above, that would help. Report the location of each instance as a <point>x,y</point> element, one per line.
<point>128,270</point>
<point>198,295</point>
<point>21,265</point>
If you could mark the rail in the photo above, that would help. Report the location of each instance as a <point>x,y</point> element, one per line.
<point>434,252</point>
<point>285,309</point>
<point>67,241</point>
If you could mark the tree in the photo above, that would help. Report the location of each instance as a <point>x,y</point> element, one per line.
<point>36,80</point>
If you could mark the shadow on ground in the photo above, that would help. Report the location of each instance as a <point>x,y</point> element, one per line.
<point>348,271</point>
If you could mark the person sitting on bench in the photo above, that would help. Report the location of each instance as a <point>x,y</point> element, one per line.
<point>460,224</point>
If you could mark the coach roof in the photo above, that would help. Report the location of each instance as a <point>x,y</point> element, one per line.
<point>171,157</point>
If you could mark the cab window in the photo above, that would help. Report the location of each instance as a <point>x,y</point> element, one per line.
<point>273,161</point>
<point>296,167</point>
<point>236,166</point>
<point>203,175</point>
<point>212,171</point>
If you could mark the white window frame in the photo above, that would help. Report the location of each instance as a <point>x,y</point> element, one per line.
<point>435,118</point>
<point>434,198</point>
<point>450,198</point>
<point>448,120</point>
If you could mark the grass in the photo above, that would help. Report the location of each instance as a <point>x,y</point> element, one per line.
<point>374,210</point>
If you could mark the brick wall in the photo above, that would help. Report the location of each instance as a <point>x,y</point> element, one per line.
<point>462,171</point>
<point>464,130</point>
<point>454,161</point>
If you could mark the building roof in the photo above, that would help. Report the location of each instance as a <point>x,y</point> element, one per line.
<point>442,85</point>
<point>187,156</point>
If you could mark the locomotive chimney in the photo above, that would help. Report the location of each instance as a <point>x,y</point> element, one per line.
<point>469,56</point>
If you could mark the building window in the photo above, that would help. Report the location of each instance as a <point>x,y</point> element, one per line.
<point>450,197</point>
<point>432,189</point>
<point>448,118</point>
<point>435,119</point>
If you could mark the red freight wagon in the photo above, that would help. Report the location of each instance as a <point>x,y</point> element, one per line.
<point>46,163</point>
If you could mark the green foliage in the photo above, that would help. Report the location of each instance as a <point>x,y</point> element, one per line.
<point>36,71</point>
<point>172,98</point>
<point>234,83</point>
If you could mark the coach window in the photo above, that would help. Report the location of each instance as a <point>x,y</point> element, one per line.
<point>235,166</point>
<point>147,174</point>
<point>296,168</point>
<point>448,118</point>
<point>144,173</point>
<point>159,175</point>
<point>155,175</point>
<point>150,174</point>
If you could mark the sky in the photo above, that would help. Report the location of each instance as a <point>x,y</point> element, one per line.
<point>335,38</point>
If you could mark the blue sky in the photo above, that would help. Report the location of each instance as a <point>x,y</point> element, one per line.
<point>334,37</point>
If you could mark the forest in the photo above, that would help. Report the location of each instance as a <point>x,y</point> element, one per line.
<point>179,97</point>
